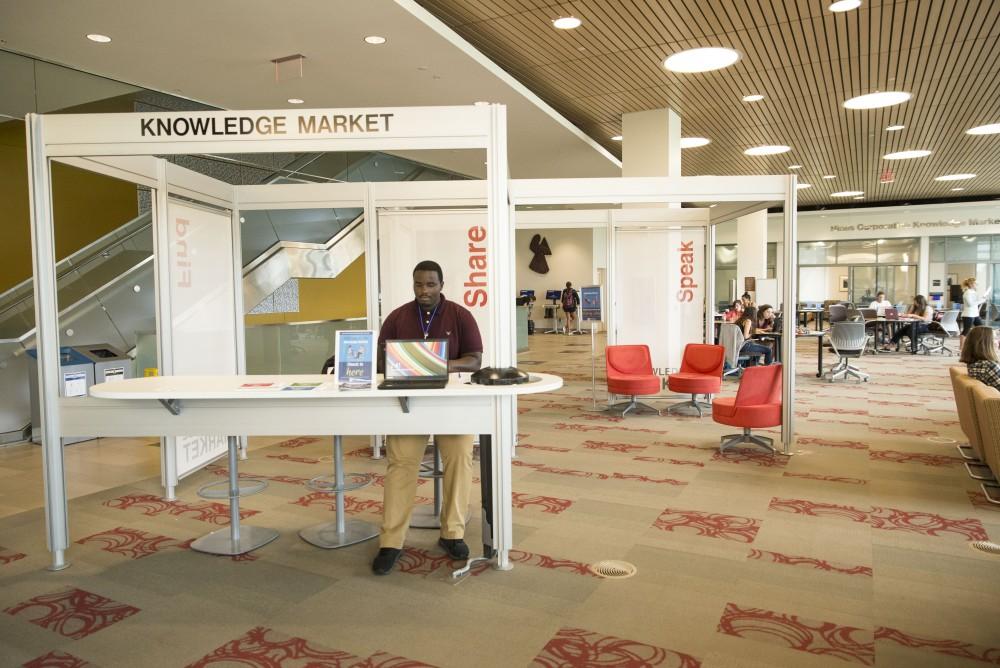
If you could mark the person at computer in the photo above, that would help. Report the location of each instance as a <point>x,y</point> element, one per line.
<point>981,357</point>
<point>921,313</point>
<point>734,311</point>
<point>970,309</point>
<point>570,300</point>
<point>747,301</point>
<point>748,323</point>
<point>765,319</point>
<point>432,316</point>
<point>880,304</point>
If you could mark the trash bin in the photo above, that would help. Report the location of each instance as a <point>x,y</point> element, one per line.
<point>110,364</point>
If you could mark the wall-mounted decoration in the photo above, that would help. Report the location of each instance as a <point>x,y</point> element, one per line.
<point>844,284</point>
<point>540,247</point>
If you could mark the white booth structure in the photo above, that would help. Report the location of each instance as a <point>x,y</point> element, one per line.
<point>199,302</point>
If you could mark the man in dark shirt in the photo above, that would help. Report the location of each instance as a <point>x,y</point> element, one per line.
<point>428,316</point>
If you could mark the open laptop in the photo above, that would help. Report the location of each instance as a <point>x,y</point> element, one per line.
<point>415,364</point>
<point>890,313</point>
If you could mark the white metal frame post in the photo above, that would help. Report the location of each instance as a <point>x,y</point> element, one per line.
<point>710,282</point>
<point>789,321</point>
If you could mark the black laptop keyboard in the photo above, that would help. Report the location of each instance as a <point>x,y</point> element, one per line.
<point>412,384</point>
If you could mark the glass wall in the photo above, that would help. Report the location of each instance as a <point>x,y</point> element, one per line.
<point>954,259</point>
<point>725,270</point>
<point>854,270</point>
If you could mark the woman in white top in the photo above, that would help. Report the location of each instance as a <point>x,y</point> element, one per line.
<point>880,304</point>
<point>922,313</point>
<point>970,309</point>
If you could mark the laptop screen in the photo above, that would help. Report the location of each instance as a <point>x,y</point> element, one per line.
<point>416,358</point>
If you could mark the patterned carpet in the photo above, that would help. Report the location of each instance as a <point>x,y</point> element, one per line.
<point>853,551</point>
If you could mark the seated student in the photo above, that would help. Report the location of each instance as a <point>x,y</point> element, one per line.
<point>734,312</point>
<point>980,354</point>
<point>748,323</point>
<point>880,304</point>
<point>765,319</point>
<point>747,300</point>
<point>920,311</point>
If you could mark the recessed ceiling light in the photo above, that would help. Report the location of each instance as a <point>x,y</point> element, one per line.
<point>295,100</point>
<point>956,190</point>
<point>991,129</point>
<point>701,60</point>
<point>829,176</point>
<point>756,97</point>
<point>954,177</point>
<point>862,197</point>
<point>844,5</point>
<point>877,100</point>
<point>567,22</point>
<point>694,142</point>
<point>767,150</point>
<point>800,186</point>
<point>99,38</point>
<point>906,155</point>
<point>794,166</point>
<point>616,138</point>
<point>847,193</point>
<point>375,39</point>
<point>894,128</point>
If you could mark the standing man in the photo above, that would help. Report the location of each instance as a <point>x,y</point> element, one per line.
<point>428,316</point>
<point>570,299</point>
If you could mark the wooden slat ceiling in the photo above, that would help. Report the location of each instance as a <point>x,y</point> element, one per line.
<point>805,59</point>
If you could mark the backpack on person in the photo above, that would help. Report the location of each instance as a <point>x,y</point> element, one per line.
<point>569,298</point>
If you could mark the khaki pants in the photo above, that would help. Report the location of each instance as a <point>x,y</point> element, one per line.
<point>405,455</point>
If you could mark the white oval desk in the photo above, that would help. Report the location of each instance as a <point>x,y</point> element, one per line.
<point>200,405</point>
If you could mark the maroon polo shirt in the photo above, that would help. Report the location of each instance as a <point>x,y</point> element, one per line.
<point>451,321</point>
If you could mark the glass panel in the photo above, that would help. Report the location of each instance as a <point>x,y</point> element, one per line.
<point>898,251</point>
<point>996,247</point>
<point>861,291</point>
<point>968,248</point>
<point>819,284</point>
<point>725,256</point>
<point>293,348</point>
<point>817,252</point>
<point>722,278</point>
<point>899,283</point>
<point>18,88</point>
<point>861,251</point>
<point>772,255</point>
<point>937,249</point>
<point>63,89</point>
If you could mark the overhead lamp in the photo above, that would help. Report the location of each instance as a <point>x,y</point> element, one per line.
<point>894,128</point>
<point>877,100</point>
<point>957,189</point>
<point>794,166</point>
<point>801,186</point>
<point>829,176</point>
<point>567,22</point>
<point>704,59</point>
<point>847,193</point>
<point>844,5</point>
<point>861,197</point>
<point>99,38</point>
<point>295,100</point>
<point>617,138</point>
<point>767,150</point>
<point>991,129</point>
<point>906,155</point>
<point>955,177</point>
<point>375,39</point>
<point>694,142</point>
<point>756,97</point>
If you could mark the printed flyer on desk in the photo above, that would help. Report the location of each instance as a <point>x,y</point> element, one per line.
<point>355,359</point>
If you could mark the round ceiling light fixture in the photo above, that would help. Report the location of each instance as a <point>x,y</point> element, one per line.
<point>877,100</point>
<point>296,100</point>
<point>99,38</point>
<point>844,5</point>
<point>848,193</point>
<point>567,22</point>
<point>694,142</point>
<point>756,97</point>
<point>374,39</point>
<point>704,59</point>
<point>767,150</point>
<point>906,155</point>
<point>894,128</point>
<point>954,177</point>
<point>991,129</point>
<point>617,138</point>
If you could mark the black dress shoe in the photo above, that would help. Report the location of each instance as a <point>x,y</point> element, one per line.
<point>385,560</point>
<point>455,547</point>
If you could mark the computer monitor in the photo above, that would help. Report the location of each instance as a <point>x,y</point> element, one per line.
<point>553,295</point>
<point>527,293</point>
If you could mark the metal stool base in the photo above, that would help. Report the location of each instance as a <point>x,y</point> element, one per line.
<point>220,489</point>
<point>221,541</point>
<point>746,438</point>
<point>626,406</point>
<point>700,406</point>
<point>326,535</point>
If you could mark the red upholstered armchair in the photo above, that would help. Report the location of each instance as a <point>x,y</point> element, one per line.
<point>701,373</point>
<point>757,404</point>
<point>630,373</point>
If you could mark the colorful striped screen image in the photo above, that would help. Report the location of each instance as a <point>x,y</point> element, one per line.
<point>416,359</point>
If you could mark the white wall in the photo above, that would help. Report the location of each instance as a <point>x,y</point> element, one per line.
<point>572,259</point>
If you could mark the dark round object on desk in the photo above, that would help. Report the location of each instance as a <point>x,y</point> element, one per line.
<point>507,376</point>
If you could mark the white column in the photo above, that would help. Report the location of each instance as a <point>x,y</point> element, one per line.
<point>751,247</point>
<point>924,270</point>
<point>651,143</point>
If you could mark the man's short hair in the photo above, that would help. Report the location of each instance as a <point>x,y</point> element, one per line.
<point>430,265</point>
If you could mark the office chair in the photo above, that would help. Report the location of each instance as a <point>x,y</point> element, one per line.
<point>848,340</point>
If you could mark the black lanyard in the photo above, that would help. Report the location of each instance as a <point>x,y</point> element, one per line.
<point>420,316</point>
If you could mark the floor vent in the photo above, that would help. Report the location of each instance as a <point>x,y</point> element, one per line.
<point>613,570</point>
<point>986,546</point>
